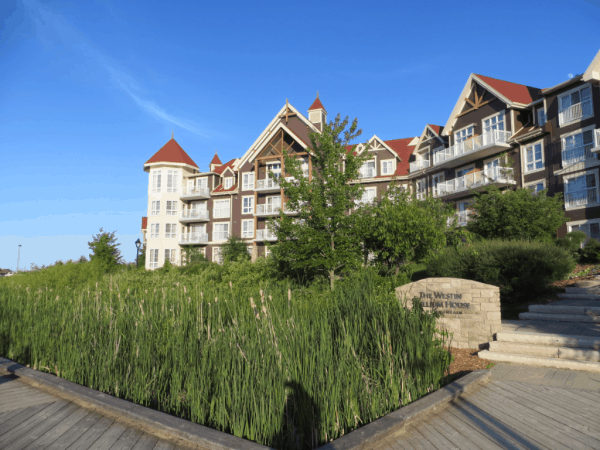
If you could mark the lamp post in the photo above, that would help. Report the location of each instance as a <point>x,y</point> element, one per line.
<point>138,245</point>
<point>18,257</point>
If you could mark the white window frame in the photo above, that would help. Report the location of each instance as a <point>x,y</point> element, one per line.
<point>155,231</point>
<point>228,182</point>
<point>153,261</point>
<point>391,162</point>
<point>524,157</point>
<point>533,184</point>
<point>172,206</point>
<point>563,138</point>
<point>170,231</point>
<point>247,181</point>
<point>249,209</point>
<point>365,167</point>
<point>276,172</point>
<point>156,181</point>
<point>220,227</point>
<point>434,184</point>
<point>369,195</point>
<point>465,169</point>
<point>467,136</point>
<point>155,208</point>
<point>421,188</point>
<point>577,175</point>
<point>221,212</point>
<point>424,153</point>
<point>172,180</point>
<point>498,114</point>
<point>202,182</point>
<point>171,255</point>
<point>568,93</point>
<point>538,119</point>
<point>216,255</point>
<point>249,231</point>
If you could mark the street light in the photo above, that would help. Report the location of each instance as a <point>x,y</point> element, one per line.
<point>138,245</point>
<point>18,257</point>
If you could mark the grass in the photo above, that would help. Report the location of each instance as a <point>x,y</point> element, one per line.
<point>287,366</point>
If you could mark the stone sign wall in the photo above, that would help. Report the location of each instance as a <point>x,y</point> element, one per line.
<point>471,310</point>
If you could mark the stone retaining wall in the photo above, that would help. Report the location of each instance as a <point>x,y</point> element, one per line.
<point>471,310</point>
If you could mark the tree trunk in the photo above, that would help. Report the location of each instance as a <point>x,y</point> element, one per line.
<point>331,278</point>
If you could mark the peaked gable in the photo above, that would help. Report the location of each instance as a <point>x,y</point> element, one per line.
<point>516,93</point>
<point>172,152</point>
<point>403,148</point>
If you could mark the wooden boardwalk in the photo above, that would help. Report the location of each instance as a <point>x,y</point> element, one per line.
<point>31,419</point>
<point>541,411</point>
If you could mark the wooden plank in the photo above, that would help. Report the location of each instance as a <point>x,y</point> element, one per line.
<point>109,437</point>
<point>75,432</point>
<point>17,405</point>
<point>471,434</point>
<point>400,442</point>
<point>20,416</point>
<point>9,414</point>
<point>58,429</point>
<point>567,396</point>
<point>42,428</point>
<point>164,445</point>
<point>127,439</point>
<point>451,434</point>
<point>535,420</point>
<point>421,439</point>
<point>23,397</point>
<point>514,420</point>
<point>436,438</point>
<point>9,432</point>
<point>90,436</point>
<point>145,442</point>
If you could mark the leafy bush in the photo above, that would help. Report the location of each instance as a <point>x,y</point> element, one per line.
<point>521,269</point>
<point>591,252</point>
<point>572,242</point>
<point>235,249</point>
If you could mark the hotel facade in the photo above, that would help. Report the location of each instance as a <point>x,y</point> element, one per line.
<point>499,132</point>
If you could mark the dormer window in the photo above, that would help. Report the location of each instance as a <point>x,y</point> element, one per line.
<point>541,117</point>
<point>387,167</point>
<point>228,182</point>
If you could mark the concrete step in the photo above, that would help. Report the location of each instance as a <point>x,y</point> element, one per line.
<point>563,309</point>
<point>577,290</point>
<point>583,318</point>
<point>549,339</point>
<point>538,361</point>
<point>545,351</point>
<point>579,296</point>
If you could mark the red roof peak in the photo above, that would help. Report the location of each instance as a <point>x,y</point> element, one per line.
<point>172,152</point>
<point>316,104</point>
<point>216,159</point>
<point>513,91</point>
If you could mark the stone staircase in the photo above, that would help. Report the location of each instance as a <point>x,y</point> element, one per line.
<point>564,334</point>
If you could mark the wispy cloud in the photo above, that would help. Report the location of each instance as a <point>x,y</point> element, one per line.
<point>53,30</point>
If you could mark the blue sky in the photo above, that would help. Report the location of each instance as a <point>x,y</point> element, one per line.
<point>92,89</point>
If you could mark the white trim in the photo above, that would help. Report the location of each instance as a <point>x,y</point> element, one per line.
<point>381,161</point>
<point>569,92</point>
<point>500,113</point>
<point>577,175</point>
<point>524,157</point>
<point>580,130</point>
<point>251,197</point>
<point>253,181</point>
<point>465,169</point>
<point>251,221</point>
<point>593,70</point>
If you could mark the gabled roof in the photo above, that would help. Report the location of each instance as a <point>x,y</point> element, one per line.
<point>437,129</point>
<point>517,93</point>
<point>144,223</point>
<point>316,104</point>
<point>173,153</point>
<point>216,159</point>
<point>593,70</point>
<point>228,164</point>
<point>403,149</point>
<point>220,189</point>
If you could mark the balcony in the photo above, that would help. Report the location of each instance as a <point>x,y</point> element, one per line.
<point>574,155</point>
<point>267,185</point>
<point>366,172</point>
<point>268,209</point>
<point>596,147</point>
<point>419,165</point>
<point>476,147</point>
<point>581,198</point>
<point>220,235</point>
<point>464,217</point>
<point>502,176</point>
<point>193,238</point>
<point>265,235</point>
<point>195,193</point>
<point>221,213</point>
<point>575,112</point>
<point>194,215</point>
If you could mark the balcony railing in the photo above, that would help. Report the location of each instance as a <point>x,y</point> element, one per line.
<point>474,144</point>
<point>221,213</point>
<point>581,198</point>
<point>476,179</point>
<point>419,165</point>
<point>575,112</point>
<point>463,217</point>
<point>268,209</point>
<point>194,215</point>
<point>366,172</point>
<point>193,238</point>
<point>575,154</point>
<point>220,235</point>
<point>265,235</point>
<point>267,184</point>
<point>194,192</point>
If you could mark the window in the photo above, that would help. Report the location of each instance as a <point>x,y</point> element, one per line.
<point>387,167</point>
<point>367,170</point>
<point>202,182</point>
<point>537,186</point>
<point>463,214</point>
<point>247,205</point>
<point>170,255</point>
<point>155,208</point>
<point>541,117</point>
<point>248,228</point>
<point>198,206</point>
<point>267,252</point>
<point>156,175</point>
<point>171,230</point>
<point>494,123</point>
<point>171,208</point>
<point>273,204</point>
<point>577,147</point>
<point>463,135</point>
<point>275,168</point>
<point>220,231</point>
<point>228,182</point>
<point>248,181</point>
<point>589,227</point>
<point>575,105</point>
<point>368,196</point>
<point>421,188</point>
<point>153,258</point>
<point>221,209</point>
<point>154,231</point>
<point>581,190</point>
<point>304,167</point>
<point>437,179</point>
<point>249,249</point>
<point>216,255</point>
<point>534,157</point>
<point>172,180</point>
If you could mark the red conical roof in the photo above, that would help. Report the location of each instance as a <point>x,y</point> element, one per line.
<point>216,160</point>
<point>316,104</point>
<point>173,153</point>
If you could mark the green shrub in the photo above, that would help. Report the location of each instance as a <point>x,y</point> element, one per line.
<point>591,252</point>
<point>572,242</point>
<point>522,269</point>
